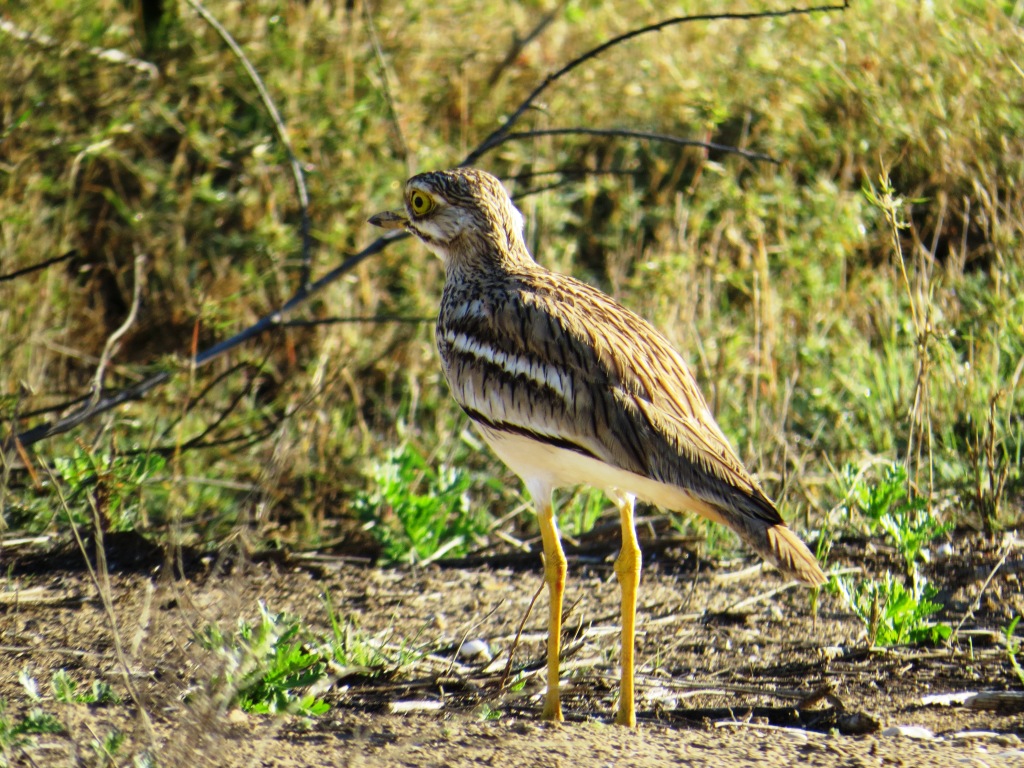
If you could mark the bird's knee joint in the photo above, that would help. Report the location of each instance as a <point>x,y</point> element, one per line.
<point>555,570</point>
<point>628,563</point>
<point>555,563</point>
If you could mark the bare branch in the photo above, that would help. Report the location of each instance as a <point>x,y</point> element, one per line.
<point>346,320</point>
<point>221,417</point>
<point>36,267</point>
<point>108,348</point>
<point>499,135</point>
<point>518,43</point>
<point>265,323</point>
<point>574,172</point>
<point>642,135</point>
<point>86,412</point>
<point>275,318</point>
<point>55,408</point>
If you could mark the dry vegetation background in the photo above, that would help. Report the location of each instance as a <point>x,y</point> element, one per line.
<point>855,305</point>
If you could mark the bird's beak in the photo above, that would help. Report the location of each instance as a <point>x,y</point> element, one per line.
<point>389,220</point>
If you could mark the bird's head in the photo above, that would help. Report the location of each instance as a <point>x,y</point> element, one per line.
<point>462,215</point>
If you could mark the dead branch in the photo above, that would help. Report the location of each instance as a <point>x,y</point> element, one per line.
<point>519,43</point>
<point>109,347</point>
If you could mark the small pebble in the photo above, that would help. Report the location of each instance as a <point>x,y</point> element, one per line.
<point>472,649</point>
<point>910,731</point>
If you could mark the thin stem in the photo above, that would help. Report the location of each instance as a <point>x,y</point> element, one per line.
<point>282,134</point>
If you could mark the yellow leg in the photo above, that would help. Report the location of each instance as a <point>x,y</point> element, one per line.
<point>554,575</point>
<point>627,568</point>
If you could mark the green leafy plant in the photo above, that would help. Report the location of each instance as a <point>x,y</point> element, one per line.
<point>108,747</point>
<point>1013,647</point>
<point>38,721</point>
<point>29,684</point>
<point>518,683</point>
<point>268,666</point>
<point>888,506</point>
<point>894,612</point>
<point>487,712</point>
<point>276,665</point>
<point>419,513</point>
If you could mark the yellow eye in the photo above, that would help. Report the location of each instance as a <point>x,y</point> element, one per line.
<point>420,202</point>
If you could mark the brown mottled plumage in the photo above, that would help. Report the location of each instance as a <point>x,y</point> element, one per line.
<point>569,387</point>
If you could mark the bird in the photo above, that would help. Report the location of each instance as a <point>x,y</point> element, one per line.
<point>568,387</point>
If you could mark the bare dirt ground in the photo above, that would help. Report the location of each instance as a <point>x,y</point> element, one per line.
<point>728,659</point>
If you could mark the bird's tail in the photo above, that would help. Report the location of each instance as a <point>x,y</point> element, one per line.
<point>759,524</point>
<point>785,550</point>
<point>752,516</point>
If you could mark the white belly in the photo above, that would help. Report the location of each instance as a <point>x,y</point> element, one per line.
<point>544,467</point>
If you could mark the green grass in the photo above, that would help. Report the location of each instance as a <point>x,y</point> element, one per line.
<point>858,302</point>
<point>18,733</point>
<point>580,511</point>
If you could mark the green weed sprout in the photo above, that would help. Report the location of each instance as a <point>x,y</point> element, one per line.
<point>268,667</point>
<point>115,481</point>
<point>1013,647</point>
<point>893,612</point>
<point>16,735</point>
<point>65,690</point>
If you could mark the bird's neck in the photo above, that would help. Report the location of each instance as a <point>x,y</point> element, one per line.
<point>493,254</point>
